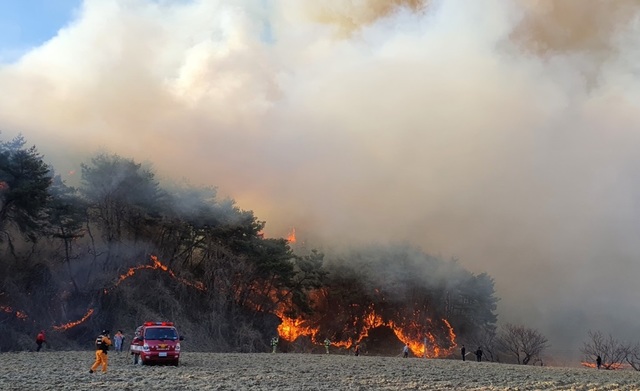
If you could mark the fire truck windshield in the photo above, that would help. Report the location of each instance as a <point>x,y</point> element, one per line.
<point>161,333</point>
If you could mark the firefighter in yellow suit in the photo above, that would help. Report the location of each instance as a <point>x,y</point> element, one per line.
<point>102,346</point>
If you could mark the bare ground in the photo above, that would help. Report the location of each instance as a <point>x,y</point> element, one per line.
<point>218,371</point>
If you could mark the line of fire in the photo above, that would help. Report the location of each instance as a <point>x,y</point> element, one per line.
<point>346,324</point>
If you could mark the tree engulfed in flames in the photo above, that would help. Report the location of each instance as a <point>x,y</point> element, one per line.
<point>422,338</point>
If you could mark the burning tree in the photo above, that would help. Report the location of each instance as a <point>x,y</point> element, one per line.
<point>214,268</point>
<point>521,342</point>
<point>418,297</point>
<point>612,351</point>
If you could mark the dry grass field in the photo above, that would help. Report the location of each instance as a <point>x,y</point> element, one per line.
<point>52,370</point>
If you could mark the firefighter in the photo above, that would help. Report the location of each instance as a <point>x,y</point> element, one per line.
<point>405,351</point>
<point>327,343</point>
<point>40,339</point>
<point>102,346</point>
<point>274,343</point>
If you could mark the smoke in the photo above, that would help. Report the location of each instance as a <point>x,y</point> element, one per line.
<point>500,133</point>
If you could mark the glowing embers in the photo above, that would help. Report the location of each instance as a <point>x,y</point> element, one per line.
<point>17,313</point>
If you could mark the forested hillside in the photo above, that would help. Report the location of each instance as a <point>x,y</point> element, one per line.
<point>121,249</point>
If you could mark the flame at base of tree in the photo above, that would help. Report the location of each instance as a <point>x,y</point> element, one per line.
<point>425,339</point>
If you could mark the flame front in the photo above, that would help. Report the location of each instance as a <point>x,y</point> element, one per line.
<point>69,325</point>
<point>421,338</point>
<point>156,265</point>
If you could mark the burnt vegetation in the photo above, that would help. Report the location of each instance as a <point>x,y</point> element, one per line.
<point>76,260</point>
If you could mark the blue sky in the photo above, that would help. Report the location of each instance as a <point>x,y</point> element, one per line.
<point>28,23</point>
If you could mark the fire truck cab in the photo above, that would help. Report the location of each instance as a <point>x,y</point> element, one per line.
<point>156,342</point>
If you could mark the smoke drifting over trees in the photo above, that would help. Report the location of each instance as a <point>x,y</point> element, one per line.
<point>77,260</point>
<point>501,133</point>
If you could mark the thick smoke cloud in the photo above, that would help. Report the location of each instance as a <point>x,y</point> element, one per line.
<point>501,133</point>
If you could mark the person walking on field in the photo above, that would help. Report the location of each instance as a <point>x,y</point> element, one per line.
<point>598,362</point>
<point>274,344</point>
<point>327,343</point>
<point>118,339</point>
<point>40,339</point>
<point>479,354</point>
<point>463,351</point>
<point>102,346</point>
<point>405,351</point>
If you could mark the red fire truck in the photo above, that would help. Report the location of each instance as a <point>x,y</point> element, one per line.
<point>156,342</point>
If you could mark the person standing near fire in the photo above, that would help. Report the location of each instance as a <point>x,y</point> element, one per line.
<point>598,362</point>
<point>40,340</point>
<point>463,352</point>
<point>118,339</point>
<point>405,351</point>
<point>479,354</point>
<point>102,346</point>
<point>274,343</point>
<point>327,343</point>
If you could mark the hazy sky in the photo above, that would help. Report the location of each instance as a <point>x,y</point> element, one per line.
<point>503,133</point>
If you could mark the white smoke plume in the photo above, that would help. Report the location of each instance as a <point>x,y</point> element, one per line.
<point>502,133</point>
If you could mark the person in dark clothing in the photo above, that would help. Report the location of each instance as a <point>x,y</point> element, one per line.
<point>357,350</point>
<point>479,354</point>
<point>40,339</point>
<point>598,362</point>
<point>463,351</point>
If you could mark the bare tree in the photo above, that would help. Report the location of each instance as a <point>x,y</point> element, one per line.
<point>521,342</point>
<point>612,351</point>
<point>633,356</point>
<point>485,337</point>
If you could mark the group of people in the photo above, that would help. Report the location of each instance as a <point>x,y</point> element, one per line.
<point>102,343</point>
<point>479,353</point>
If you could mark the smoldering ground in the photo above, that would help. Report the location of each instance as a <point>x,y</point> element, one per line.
<point>501,133</point>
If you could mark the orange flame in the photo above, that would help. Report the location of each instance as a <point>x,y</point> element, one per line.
<point>291,238</point>
<point>615,366</point>
<point>421,341</point>
<point>18,314</point>
<point>69,325</point>
<point>156,265</point>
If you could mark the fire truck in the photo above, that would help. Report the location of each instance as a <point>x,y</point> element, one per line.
<point>156,343</point>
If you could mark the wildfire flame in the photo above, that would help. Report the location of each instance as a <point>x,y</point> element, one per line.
<point>156,265</point>
<point>69,325</point>
<point>421,341</point>
<point>615,366</point>
<point>291,238</point>
<point>9,310</point>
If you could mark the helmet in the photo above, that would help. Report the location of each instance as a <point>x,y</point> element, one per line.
<point>105,332</point>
